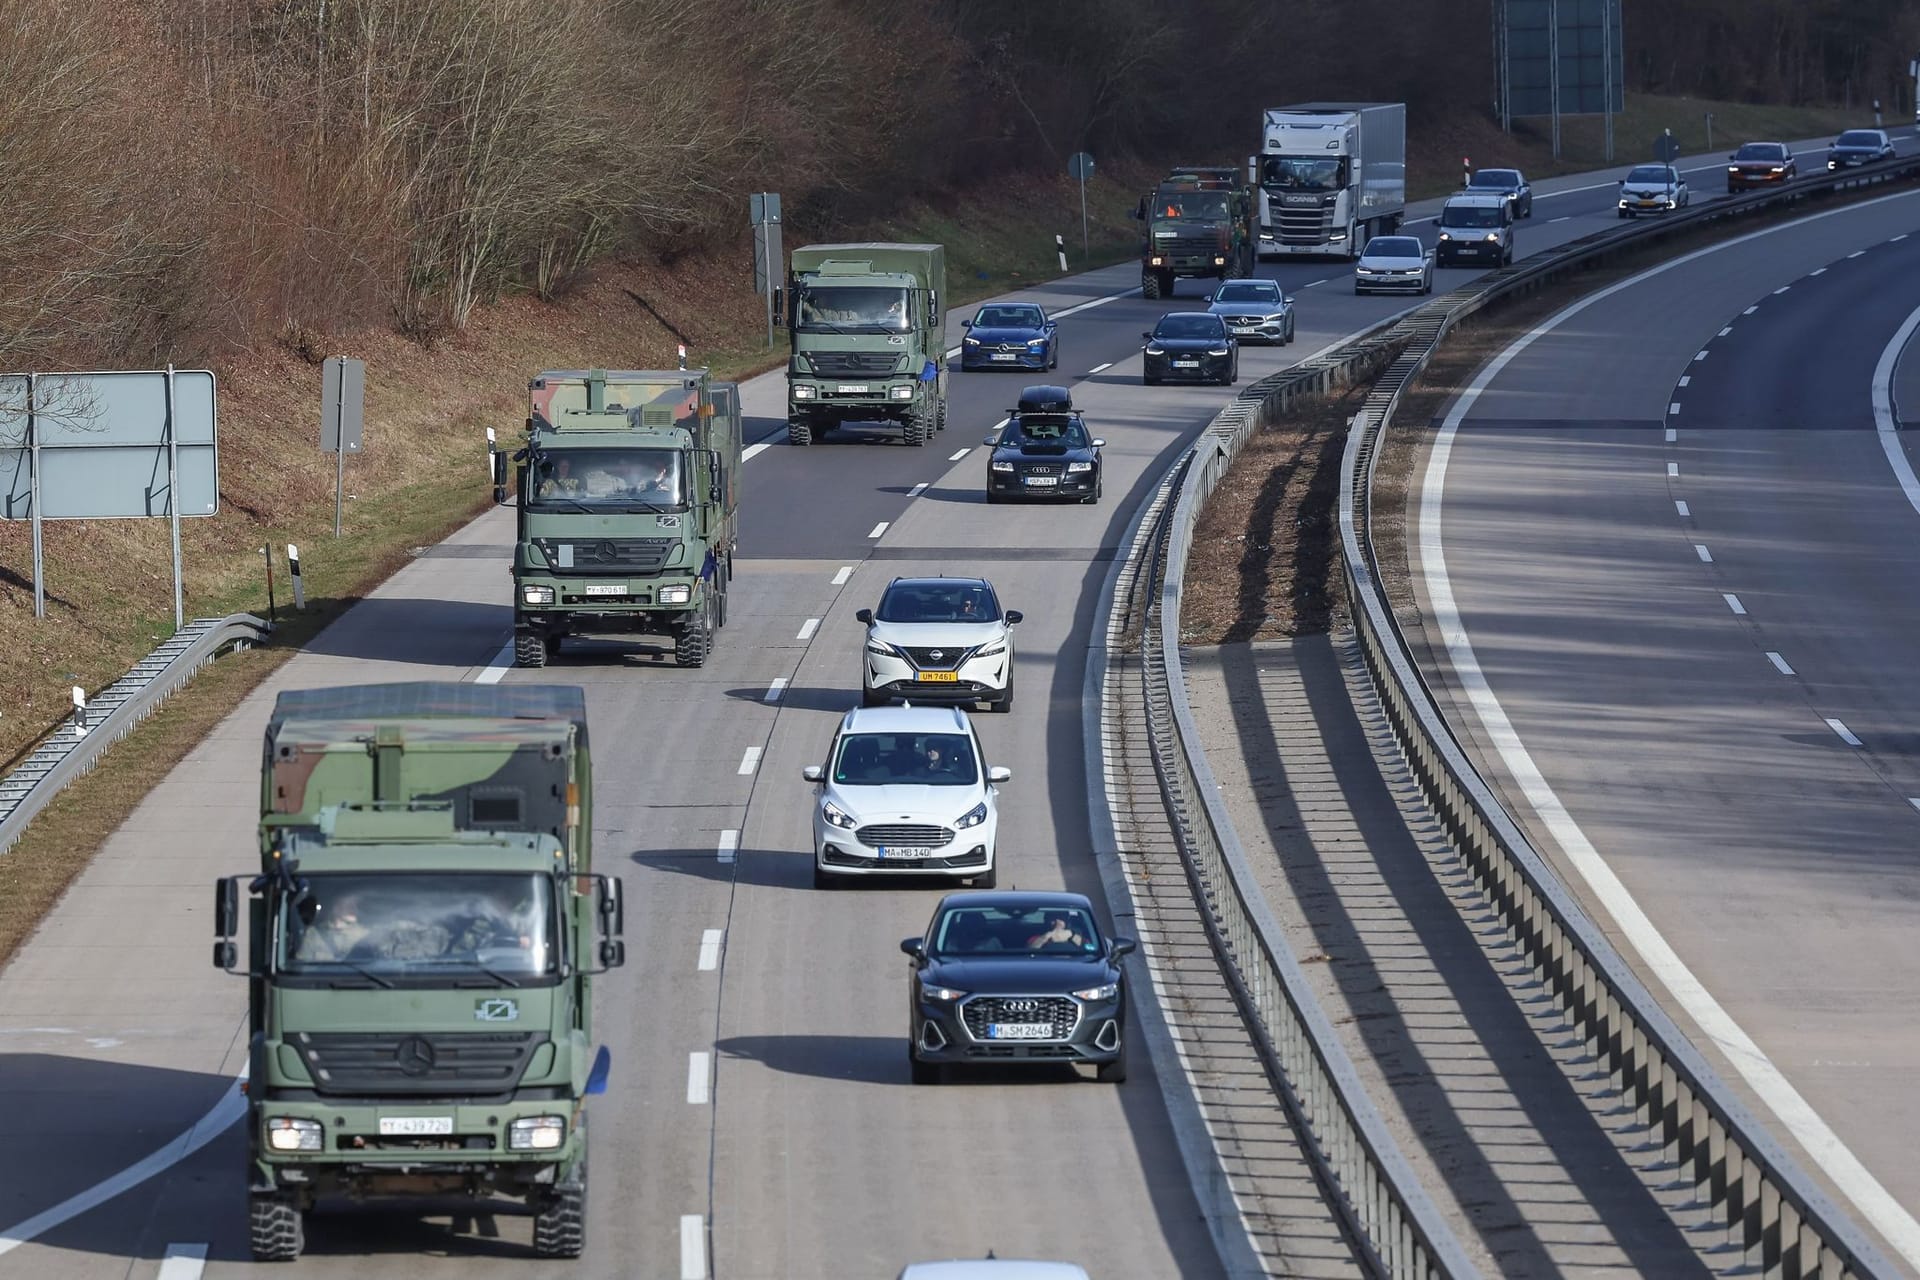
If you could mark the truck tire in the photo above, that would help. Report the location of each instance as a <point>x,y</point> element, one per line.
<point>918,424</point>
<point>529,648</point>
<point>940,416</point>
<point>695,643</point>
<point>1150,284</point>
<point>799,431</point>
<point>560,1225</point>
<point>275,1230</point>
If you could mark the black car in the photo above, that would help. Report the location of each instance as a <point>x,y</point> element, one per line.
<point>1044,451</point>
<point>1190,346</point>
<point>1510,182</point>
<point>1859,146</point>
<point>1016,978</point>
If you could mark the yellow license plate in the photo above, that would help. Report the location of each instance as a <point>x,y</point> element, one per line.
<point>938,677</point>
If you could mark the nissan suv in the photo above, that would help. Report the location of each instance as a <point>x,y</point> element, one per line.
<point>938,640</point>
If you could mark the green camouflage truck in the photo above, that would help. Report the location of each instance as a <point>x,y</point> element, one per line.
<point>869,326</point>
<point>420,944</point>
<point>628,490</point>
<point>1199,223</point>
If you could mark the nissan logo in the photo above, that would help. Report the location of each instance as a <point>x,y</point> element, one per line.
<point>414,1055</point>
<point>1023,1006</point>
<point>936,654</point>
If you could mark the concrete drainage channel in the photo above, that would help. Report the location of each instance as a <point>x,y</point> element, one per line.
<point>1741,1177</point>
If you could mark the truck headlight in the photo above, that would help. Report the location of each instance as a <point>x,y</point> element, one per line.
<point>1155,261</point>
<point>836,816</point>
<point>532,593</point>
<point>537,1133</point>
<point>802,392</point>
<point>287,1133</point>
<point>1074,468</point>
<point>903,391</point>
<point>1219,262</point>
<point>681,594</point>
<point>972,817</point>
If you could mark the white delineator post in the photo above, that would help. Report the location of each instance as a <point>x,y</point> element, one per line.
<point>79,712</point>
<point>299,584</point>
<point>1060,246</point>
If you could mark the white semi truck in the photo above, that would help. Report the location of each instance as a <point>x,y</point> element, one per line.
<point>1329,176</point>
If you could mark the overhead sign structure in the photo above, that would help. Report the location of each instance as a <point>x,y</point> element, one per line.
<point>343,397</point>
<point>1559,57</point>
<point>108,445</point>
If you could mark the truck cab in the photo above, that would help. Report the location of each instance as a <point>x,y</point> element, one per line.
<point>1331,176</point>
<point>869,334</point>
<point>1198,223</point>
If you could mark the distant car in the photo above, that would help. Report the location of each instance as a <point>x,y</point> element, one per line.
<point>1511,182</point>
<point>1254,310</point>
<point>993,1269</point>
<point>1016,979</point>
<point>1859,146</point>
<point>1652,188</point>
<point>1394,263</point>
<point>1010,335</point>
<point>938,640</point>
<point>905,791</point>
<point>1476,226</point>
<point>1044,451</point>
<point>1190,346</point>
<point>1761,164</point>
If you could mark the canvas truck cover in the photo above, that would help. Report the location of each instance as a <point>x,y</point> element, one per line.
<point>617,399</point>
<point>928,262</point>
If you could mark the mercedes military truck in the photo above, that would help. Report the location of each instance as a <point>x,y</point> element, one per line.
<point>1197,224</point>
<point>869,327</point>
<point>1331,176</point>
<point>420,945</point>
<point>628,491</point>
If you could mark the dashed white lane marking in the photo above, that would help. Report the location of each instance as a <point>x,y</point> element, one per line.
<point>1100,368</point>
<point>1897,239</point>
<point>183,1262</point>
<point>1733,603</point>
<point>1750,310</point>
<point>1724,332</point>
<point>917,490</point>
<point>774,690</point>
<point>1565,217</point>
<point>1673,407</point>
<point>1782,289</point>
<point>1700,549</point>
<point>1817,271</point>
<point>959,455</point>
<point>879,529</point>
<point>1309,284</point>
<point>1846,734</point>
<point>807,629</point>
<point>1700,355</point>
<point>1885,424</point>
<point>840,578</point>
<point>1681,507</point>
<point>1856,253</point>
<point>491,673</point>
<point>1779,663</point>
<point>753,451</point>
<point>698,1067</point>
<point>693,1247</point>
<point>1914,801</point>
<point>1673,470</point>
<point>1685,378</point>
<point>728,846</point>
<point>710,949</point>
<point>1673,434</point>
<point>750,761</point>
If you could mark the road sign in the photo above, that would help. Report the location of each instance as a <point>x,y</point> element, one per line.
<point>1666,148</point>
<point>1080,165</point>
<point>343,397</point>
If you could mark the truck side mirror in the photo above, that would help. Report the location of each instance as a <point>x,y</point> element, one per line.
<point>226,923</point>
<point>613,953</point>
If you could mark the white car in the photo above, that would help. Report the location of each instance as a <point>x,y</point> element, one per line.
<point>1394,262</point>
<point>1653,188</point>
<point>905,791</point>
<point>938,640</point>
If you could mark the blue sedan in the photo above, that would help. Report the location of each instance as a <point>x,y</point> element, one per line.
<point>1010,335</point>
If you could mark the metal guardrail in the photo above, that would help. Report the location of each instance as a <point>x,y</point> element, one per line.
<point>74,748</point>
<point>1741,1171</point>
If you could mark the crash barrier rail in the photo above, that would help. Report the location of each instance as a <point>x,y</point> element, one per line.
<point>1742,1173</point>
<point>76,746</point>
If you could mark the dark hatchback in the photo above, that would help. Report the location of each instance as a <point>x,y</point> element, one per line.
<point>1010,335</point>
<point>1190,346</point>
<point>1016,978</point>
<point>1044,451</point>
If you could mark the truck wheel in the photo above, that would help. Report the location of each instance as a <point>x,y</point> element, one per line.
<point>918,425</point>
<point>529,648</point>
<point>1149,284</point>
<point>695,642</point>
<point>276,1232</point>
<point>940,416</point>
<point>560,1226</point>
<point>799,431</point>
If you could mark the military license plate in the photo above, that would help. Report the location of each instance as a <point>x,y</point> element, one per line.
<point>415,1126</point>
<point>1042,481</point>
<point>606,588</point>
<point>847,389</point>
<point>1019,1031</point>
<point>903,851</point>
<point>937,677</point>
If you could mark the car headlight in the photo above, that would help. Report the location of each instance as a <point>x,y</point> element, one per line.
<point>902,392</point>
<point>1105,992</point>
<point>537,1133</point>
<point>682,594</point>
<point>1734,168</point>
<point>882,648</point>
<point>531,593</point>
<point>1363,271</point>
<point>1219,262</point>
<point>1493,237</point>
<point>803,392</point>
<point>1000,466</point>
<point>1779,168</point>
<point>1276,317</point>
<point>287,1133</point>
<point>969,342</point>
<point>1153,350</point>
<point>1445,236</point>
<point>993,649</point>
<point>1073,468</point>
<point>836,816</point>
<point>973,817</point>
<point>1217,351</point>
<point>944,994</point>
<point>1036,342</point>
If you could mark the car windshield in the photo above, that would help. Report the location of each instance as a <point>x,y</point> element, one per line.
<point>905,759</point>
<point>1011,931</point>
<point>384,926</point>
<point>1858,138</point>
<point>1303,173</point>
<point>1008,318</point>
<point>1190,327</point>
<point>1395,247</point>
<point>1470,215</point>
<point>1761,151</point>
<point>1657,175</point>
<point>1498,179</point>
<point>938,602</point>
<point>830,308</point>
<point>1046,428</point>
<point>606,479</point>
<point>1190,204</point>
<point>1248,291</point>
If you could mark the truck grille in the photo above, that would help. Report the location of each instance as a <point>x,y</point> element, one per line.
<point>945,658</point>
<point>439,1062</point>
<point>884,833</point>
<point>852,362</point>
<point>1057,1012</point>
<point>606,555</point>
<point>1190,246</point>
<point>1304,226</point>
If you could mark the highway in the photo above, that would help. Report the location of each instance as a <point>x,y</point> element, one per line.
<point>1672,564</point>
<point>760,1123</point>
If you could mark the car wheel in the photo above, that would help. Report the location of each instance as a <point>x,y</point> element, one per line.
<point>988,879</point>
<point>1114,1072</point>
<point>1149,380</point>
<point>994,499</point>
<point>1357,290</point>
<point>824,879</point>
<point>1053,358</point>
<point>1005,704</point>
<point>924,1072</point>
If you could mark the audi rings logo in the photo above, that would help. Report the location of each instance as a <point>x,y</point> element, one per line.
<point>414,1056</point>
<point>1023,1006</point>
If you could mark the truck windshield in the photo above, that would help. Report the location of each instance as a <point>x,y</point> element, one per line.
<point>1303,173</point>
<point>607,479</point>
<point>392,928</point>
<point>838,308</point>
<point>1190,204</point>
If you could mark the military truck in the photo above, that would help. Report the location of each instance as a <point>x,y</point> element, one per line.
<point>629,492</point>
<point>420,944</point>
<point>869,326</point>
<point>1198,223</point>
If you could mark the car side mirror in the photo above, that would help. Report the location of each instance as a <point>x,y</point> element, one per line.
<point>863,615</point>
<point>1208,298</point>
<point>1148,335</point>
<point>966,324</point>
<point>812,772</point>
<point>910,946</point>
<point>1014,616</point>
<point>999,773</point>
<point>1121,947</point>
<point>1099,444</point>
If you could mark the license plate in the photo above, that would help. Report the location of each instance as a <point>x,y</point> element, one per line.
<point>1006,355</point>
<point>904,851</point>
<point>937,677</point>
<point>1186,364</point>
<point>606,588</point>
<point>1042,481</point>
<point>415,1126</point>
<point>1649,204</point>
<point>1019,1031</point>
<point>849,389</point>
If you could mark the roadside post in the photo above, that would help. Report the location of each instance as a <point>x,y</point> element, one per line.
<point>763,210</point>
<point>1080,165</point>
<point>1666,147</point>
<point>299,583</point>
<point>1709,130</point>
<point>343,393</point>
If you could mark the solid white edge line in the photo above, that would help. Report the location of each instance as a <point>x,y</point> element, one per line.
<point>698,1065</point>
<point>879,529</point>
<point>1733,603</point>
<point>1779,663</point>
<point>183,1262</point>
<point>1700,549</point>
<point>1885,424</point>
<point>1680,505</point>
<point>840,578</point>
<point>1846,734</point>
<point>693,1247</point>
<point>807,629</point>
<point>710,949</point>
<point>728,844</point>
<point>1854,1180</point>
<point>775,689</point>
<point>498,667</point>
<point>917,490</point>
<point>750,761</point>
<point>753,451</point>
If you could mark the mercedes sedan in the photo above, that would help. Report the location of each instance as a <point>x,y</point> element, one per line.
<point>1761,164</point>
<point>1255,310</point>
<point>938,640</point>
<point>1044,451</point>
<point>1016,979</point>
<point>1010,335</point>
<point>1394,263</point>
<point>1190,346</point>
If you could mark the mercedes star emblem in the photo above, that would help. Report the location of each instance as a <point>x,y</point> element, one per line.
<point>414,1055</point>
